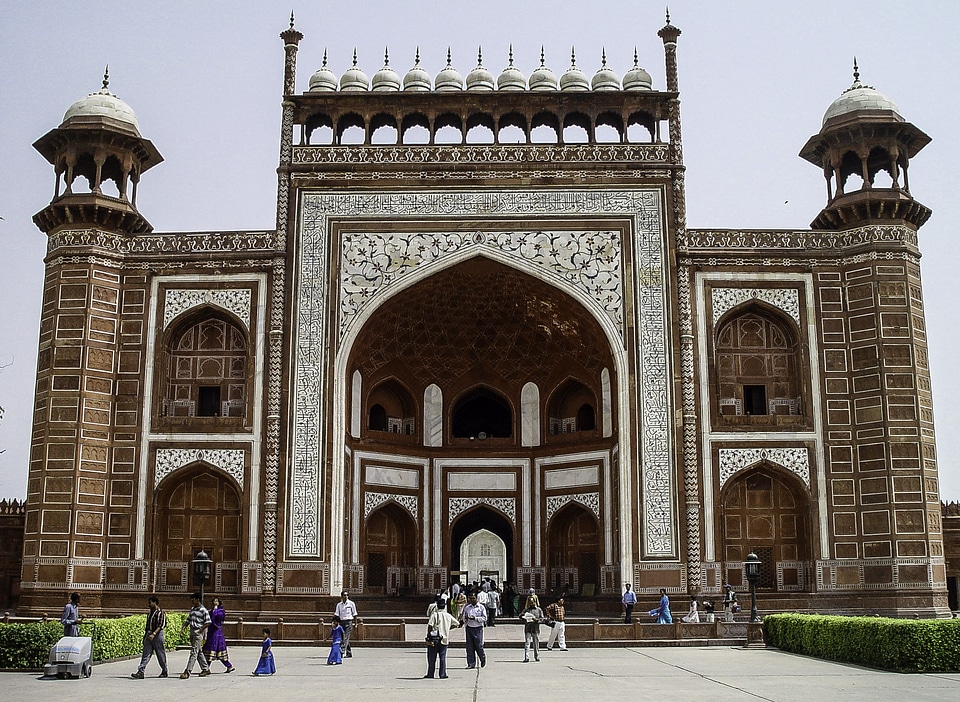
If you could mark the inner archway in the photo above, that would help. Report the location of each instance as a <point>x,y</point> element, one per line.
<point>575,551</point>
<point>481,553</point>
<point>390,553</point>
<point>487,523</point>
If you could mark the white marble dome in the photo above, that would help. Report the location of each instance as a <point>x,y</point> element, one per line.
<point>323,80</point>
<point>573,79</point>
<point>542,79</point>
<point>386,79</point>
<point>637,78</point>
<point>511,79</point>
<point>353,79</point>
<point>859,98</point>
<point>448,79</point>
<point>103,103</point>
<point>605,79</point>
<point>417,79</point>
<point>480,78</point>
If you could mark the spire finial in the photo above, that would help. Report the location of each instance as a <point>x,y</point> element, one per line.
<point>668,14</point>
<point>856,71</point>
<point>479,56</point>
<point>636,58</point>
<point>386,56</point>
<point>573,56</point>
<point>448,56</point>
<point>354,57</point>
<point>603,58</point>
<point>106,77</point>
<point>324,65</point>
<point>291,19</point>
<point>416,61</point>
<point>511,54</point>
<point>543,57</point>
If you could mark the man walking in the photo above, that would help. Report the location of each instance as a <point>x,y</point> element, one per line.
<point>198,619</point>
<point>347,611</point>
<point>153,639</point>
<point>629,602</point>
<point>557,633</point>
<point>474,617</point>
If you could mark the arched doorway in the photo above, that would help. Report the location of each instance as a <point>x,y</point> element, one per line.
<point>766,511</point>
<point>482,520</point>
<point>574,556</point>
<point>200,509</point>
<point>481,553</point>
<point>390,553</point>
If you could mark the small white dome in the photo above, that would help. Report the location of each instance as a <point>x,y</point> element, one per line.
<point>386,79</point>
<point>323,80</point>
<point>103,103</point>
<point>511,79</point>
<point>542,79</point>
<point>353,79</point>
<point>480,78</point>
<point>637,78</point>
<point>605,79</point>
<point>573,79</point>
<point>417,79</point>
<point>448,79</point>
<point>858,98</point>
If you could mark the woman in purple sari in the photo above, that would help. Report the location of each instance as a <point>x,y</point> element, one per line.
<point>215,647</point>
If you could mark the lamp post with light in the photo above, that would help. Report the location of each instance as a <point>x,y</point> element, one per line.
<point>202,565</point>
<point>752,568</point>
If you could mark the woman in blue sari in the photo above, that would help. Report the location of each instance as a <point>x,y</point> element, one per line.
<point>662,613</point>
<point>266,666</point>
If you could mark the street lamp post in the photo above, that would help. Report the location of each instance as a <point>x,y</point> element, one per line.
<point>201,570</point>
<point>752,567</point>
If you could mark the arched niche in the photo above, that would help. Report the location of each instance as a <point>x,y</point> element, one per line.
<point>481,413</point>
<point>389,548</point>
<point>391,409</point>
<point>575,550</point>
<point>572,408</point>
<point>482,519</point>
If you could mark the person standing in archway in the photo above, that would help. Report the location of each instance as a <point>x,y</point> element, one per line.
<point>473,619</point>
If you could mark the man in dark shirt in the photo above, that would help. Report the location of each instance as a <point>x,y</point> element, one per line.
<point>153,639</point>
<point>557,633</point>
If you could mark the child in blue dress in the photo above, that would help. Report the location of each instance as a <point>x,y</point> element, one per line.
<point>266,666</point>
<point>336,634</point>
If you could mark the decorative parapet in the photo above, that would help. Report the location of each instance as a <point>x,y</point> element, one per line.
<point>799,239</point>
<point>186,243</point>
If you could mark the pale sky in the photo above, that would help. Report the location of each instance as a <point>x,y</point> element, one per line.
<point>205,80</point>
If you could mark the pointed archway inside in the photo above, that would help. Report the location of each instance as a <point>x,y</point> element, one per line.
<point>576,551</point>
<point>478,520</point>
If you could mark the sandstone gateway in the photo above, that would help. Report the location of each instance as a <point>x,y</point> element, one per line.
<point>483,339</point>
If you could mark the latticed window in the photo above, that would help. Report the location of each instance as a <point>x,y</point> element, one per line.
<point>207,371</point>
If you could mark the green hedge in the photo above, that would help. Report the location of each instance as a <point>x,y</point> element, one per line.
<point>902,645</point>
<point>28,645</point>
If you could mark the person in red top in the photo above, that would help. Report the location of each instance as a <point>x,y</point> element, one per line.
<point>557,633</point>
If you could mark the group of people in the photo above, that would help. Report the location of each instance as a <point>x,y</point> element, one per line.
<point>446,612</point>
<point>662,611</point>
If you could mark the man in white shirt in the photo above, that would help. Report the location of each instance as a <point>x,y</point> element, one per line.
<point>474,617</point>
<point>347,611</point>
<point>439,624</point>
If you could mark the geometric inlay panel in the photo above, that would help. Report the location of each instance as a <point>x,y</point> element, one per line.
<point>237,301</point>
<point>458,505</point>
<point>590,500</point>
<point>230,461</point>
<point>796,460</point>
<point>372,500</point>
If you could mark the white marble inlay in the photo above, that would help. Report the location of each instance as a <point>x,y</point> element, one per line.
<point>391,477</point>
<point>796,460</point>
<point>236,301</point>
<point>590,500</point>
<point>784,299</point>
<point>482,481</point>
<point>231,461</point>
<point>372,500</point>
<point>558,478</point>
<point>530,415</point>
<point>458,505</point>
<point>433,416</point>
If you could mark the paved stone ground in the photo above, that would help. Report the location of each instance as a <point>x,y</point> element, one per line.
<point>394,675</point>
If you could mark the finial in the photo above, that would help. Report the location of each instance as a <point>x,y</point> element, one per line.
<point>291,19</point>
<point>636,58</point>
<point>479,56</point>
<point>324,65</point>
<point>573,56</point>
<point>386,56</point>
<point>543,60</point>
<point>448,56</point>
<point>856,70</point>
<point>668,14</point>
<point>416,61</point>
<point>603,58</point>
<point>354,57</point>
<point>511,54</point>
<point>106,77</point>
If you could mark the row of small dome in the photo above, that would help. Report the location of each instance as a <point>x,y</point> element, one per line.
<point>479,79</point>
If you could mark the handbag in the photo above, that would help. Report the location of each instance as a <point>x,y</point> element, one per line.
<point>433,640</point>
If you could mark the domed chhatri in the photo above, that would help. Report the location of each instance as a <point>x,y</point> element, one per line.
<point>448,79</point>
<point>102,103</point>
<point>637,78</point>
<point>323,80</point>
<point>353,79</point>
<point>417,80</point>
<point>511,79</point>
<point>480,79</point>
<point>573,79</point>
<point>542,79</point>
<point>859,98</point>
<point>386,79</point>
<point>605,79</point>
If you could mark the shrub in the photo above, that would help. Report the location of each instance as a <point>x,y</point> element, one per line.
<point>902,645</point>
<point>28,645</point>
